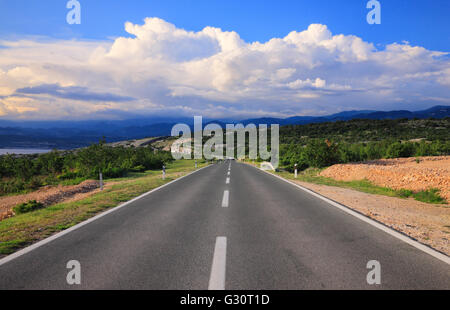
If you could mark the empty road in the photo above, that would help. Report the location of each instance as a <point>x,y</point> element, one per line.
<point>228,226</point>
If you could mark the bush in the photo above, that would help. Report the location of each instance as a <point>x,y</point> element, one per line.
<point>114,172</point>
<point>33,184</point>
<point>27,207</point>
<point>12,186</point>
<point>398,150</point>
<point>321,153</point>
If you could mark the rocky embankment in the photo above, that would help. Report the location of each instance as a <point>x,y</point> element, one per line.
<point>415,174</point>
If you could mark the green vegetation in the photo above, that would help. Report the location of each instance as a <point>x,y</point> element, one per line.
<point>322,153</point>
<point>356,131</point>
<point>430,196</point>
<point>322,145</point>
<point>27,207</point>
<point>26,173</point>
<point>24,229</point>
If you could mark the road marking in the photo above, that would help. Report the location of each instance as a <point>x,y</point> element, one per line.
<point>386,229</point>
<point>229,172</point>
<point>226,196</point>
<point>228,181</point>
<point>218,268</point>
<point>92,219</point>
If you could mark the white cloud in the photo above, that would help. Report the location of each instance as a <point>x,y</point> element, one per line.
<point>164,69</point>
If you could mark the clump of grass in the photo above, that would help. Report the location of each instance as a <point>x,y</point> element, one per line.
<point>405,193</point>
<point>8,247</point>
<point>28,207</point>
<point>429,196</point>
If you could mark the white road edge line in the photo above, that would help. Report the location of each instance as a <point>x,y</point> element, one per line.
<point>218,268</point>
<point>226,196</point>
<point>92,219</point>
<point>386,229</point>
<point>228,181</point>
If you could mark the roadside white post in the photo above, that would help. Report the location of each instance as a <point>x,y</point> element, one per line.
<point>101,180</point>
<point>296,172</point>
<point>196,165</point>
<point>164,172</point>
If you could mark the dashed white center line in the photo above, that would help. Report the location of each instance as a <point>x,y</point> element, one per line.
<point>226,196</point>
<point>218,268</point>
<point>229,172</point>
<point>228,181</point>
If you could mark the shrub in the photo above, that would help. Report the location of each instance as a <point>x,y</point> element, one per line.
<point>28,207</point>
<point>33,184</point>
<point>398,150</point>
<point>320,153</point>
<point>114,172</point>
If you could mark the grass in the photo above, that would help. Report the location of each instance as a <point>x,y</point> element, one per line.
<point>311,175</point>
<point>25,229</point>
<point>430,196</point>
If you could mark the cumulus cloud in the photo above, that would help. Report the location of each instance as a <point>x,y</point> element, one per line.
<point>162,69</point>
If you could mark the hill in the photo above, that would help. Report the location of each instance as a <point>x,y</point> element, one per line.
<point>363,130</point>
<point>74,134</point>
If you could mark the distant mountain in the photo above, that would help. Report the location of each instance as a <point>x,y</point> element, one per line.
<point>347,114</point>
<point>434,112</point>
<point>73,134</point>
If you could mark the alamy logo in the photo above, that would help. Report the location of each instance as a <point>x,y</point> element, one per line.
<point>374,16</point>
<point>74,15</point>
<point>216,148</point>
<point>74,275</point>
<point>374,275</point>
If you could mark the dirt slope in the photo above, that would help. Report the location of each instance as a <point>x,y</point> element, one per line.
<point>49,195</point>
<point>401,173</point>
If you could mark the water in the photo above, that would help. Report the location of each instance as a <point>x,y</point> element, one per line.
<point>23,151</point>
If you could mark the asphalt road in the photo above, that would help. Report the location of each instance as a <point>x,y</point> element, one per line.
<point>263,234</point>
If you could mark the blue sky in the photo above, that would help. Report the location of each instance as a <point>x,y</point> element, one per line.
<point>221,58</point>
<point>420,22</point>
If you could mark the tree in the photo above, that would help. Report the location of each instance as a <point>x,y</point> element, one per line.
<point>321,153</point>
